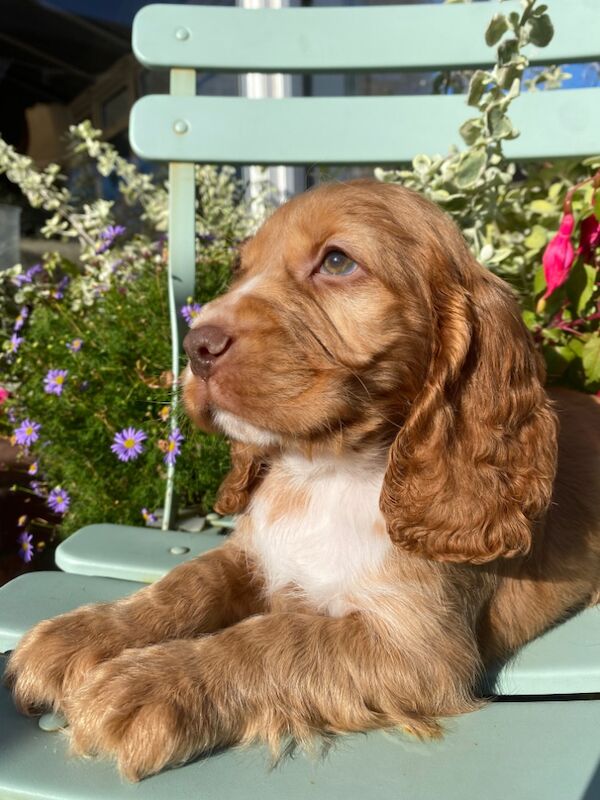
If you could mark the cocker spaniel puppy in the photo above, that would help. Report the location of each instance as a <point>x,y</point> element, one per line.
<point>394,462</point>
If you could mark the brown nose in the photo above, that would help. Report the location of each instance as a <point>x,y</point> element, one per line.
<point>204,346</point>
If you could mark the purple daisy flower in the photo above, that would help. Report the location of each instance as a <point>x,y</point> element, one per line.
<point>190,311</point>
<point>37,488</point>
<point>149,517</point>
<point>20,320</point>
<point>32,271</point>
<point>59,500</point>
<point>108,236</point>
<point>127,444</point>
<point>27,276</point>
<point>25,547</point>
<point>59,292</point>
<point>33,468</point>
<point>15,342</point>
<point>75,345</point>
<point>27,433</point>
<point>172,447</point>
<point>54,382</point>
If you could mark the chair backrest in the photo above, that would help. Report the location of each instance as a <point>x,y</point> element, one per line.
<point>182,129</point>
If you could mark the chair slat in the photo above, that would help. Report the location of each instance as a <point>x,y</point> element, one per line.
<point>343,130</point>
<point>347,39</point>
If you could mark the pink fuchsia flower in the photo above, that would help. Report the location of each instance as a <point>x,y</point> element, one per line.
<point>4,395</point>
<point>27,433</point>
<point>25,547</point>
<point>589,237</point>
<point>559,255</point>
<point>190,311</point>
<point>127,444</point>
<point>54,381</point>
<point>59,500</point>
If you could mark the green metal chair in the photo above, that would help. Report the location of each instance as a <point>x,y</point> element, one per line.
<point>543,741</point>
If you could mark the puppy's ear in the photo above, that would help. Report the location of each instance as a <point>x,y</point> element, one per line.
<point>471,471</point>
<point>248,467</point>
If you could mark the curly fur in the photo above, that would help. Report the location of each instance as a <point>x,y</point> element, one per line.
<point>409,511</point>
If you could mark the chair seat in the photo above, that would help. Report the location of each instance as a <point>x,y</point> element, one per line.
<point>130,553</point>
<point>521,751</point>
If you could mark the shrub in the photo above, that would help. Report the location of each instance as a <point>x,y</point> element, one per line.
<point>87,345</point>
<point>509,213</point>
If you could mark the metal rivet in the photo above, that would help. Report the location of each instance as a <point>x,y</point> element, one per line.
<point>182,34</point>
<point>180,126</point>
<point>178,550</point>
<point>52,722</point>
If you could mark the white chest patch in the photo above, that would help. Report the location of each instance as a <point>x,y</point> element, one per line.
<point>331,542</point>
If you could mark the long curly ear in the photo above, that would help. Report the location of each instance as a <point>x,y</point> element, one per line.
<point>470,473</point>
<point>248,467</point>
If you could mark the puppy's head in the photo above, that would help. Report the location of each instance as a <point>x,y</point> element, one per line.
<point>358,319</point>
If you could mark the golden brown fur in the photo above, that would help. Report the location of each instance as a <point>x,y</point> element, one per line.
<point>417,363</point>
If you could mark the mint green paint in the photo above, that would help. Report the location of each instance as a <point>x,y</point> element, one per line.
<point>348,39</point>
<point>346,130</point>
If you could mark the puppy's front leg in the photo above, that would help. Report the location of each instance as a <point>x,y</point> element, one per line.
<point>266,678</point>
<point>201,596</point>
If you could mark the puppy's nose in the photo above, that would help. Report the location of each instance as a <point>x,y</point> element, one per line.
<point>204,345</point>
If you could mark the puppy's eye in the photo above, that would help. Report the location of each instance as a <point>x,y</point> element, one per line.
<point>337,263</point>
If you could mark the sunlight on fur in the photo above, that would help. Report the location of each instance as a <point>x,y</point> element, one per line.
<point>413,505</point>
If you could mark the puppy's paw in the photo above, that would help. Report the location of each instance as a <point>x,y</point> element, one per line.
<point>53,659</point>
<point>141,709</point>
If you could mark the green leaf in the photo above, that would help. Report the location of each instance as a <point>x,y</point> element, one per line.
<point>581,285</point>
<point>530,319</point>
<point>557,359</point>
<point>590,285</point>
<point>422,164</point>
<point>507,50</point>
<point>496,29</point>
<point>514,18</point>
<point>541,30</point>
<point>499,125</point>
<point>536,239</point>
<point>539,281</point>
<point>591,358</point>
<point>477,87</point>
<point>542,207</point>
<point>470,168</point>
<point>471,130</point>
<point>576,346</point>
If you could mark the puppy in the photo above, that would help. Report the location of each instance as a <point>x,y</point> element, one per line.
<point>404,519</point>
